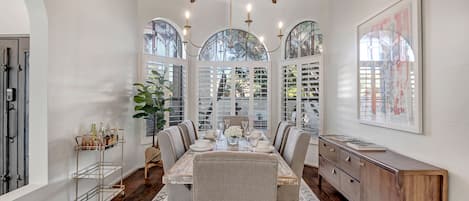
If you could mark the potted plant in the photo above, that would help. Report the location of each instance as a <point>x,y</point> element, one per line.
<point>150,104</point>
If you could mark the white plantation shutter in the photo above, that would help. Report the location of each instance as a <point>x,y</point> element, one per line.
<point>242,92</point>
<point>289,92</point>
<point>223,94</point>
<point>260,98</point>
<point>301,86</point>
<point>310,96</point>
<point>228,91</point>
<point>206,94</point>
<point>176,76</point>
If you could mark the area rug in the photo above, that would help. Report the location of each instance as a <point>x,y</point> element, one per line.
<point>305,193</point>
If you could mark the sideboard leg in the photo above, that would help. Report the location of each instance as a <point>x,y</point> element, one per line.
<point>320,182</point>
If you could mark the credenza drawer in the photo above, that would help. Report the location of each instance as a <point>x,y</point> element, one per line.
<point>350,163</point>
<point>329,172</point>
<point>350,187</point>
<point>328,151</point>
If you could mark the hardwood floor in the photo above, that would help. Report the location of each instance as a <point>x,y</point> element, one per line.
<point>138,190</point>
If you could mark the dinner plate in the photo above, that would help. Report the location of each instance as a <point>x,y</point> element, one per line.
<point>201,149</point>
<point>269,149</point>
<point>210,137</point>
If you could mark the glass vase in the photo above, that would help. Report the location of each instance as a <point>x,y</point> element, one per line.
<point>233,141</point>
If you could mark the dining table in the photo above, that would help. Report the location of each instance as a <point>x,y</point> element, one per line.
<point>182,170</point>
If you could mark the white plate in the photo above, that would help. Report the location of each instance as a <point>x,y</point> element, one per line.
<point>201,149</point>
<point>210,137</point>
<point>269,149</point>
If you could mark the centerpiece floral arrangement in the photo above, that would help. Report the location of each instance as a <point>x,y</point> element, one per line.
<point>234,132</point>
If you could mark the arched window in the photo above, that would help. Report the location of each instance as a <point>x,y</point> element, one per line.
<point>233,45</point>
<point>233,79</point>
<point>301,77</point>
<point>163,52</point>
<point>162,39</point>
<point>304,40</point>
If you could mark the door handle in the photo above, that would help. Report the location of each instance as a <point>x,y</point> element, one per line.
<point>6,58</point>
<point>348,159</point>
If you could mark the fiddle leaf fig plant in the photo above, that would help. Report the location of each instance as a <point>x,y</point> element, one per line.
<point>150,101</point>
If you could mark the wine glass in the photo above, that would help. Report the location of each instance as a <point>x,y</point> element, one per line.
<point>227,123</point>
<point>244,125</point>
<point>220,129</point>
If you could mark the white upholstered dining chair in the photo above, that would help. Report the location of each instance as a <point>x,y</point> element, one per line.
<point>230,176</point>
<point>282,129</point>
<point>172,148</point>
<point>294,153</point>
<point>189,133</point>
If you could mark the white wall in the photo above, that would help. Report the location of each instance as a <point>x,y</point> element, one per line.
<point>92,65</point>
<point>445,140</point>
<point>15,19</point>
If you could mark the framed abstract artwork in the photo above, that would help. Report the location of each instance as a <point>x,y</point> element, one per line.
<point>390,67</point>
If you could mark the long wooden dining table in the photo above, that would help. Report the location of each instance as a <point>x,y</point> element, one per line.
<point>181,172</point>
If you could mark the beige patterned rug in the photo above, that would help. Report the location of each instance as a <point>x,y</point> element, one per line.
<point>305,194</point>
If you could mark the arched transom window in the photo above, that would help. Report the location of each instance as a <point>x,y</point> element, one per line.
<point>303,40</point>
<point>233,79</point>
<point>162,39</point>
<point>163,52</point>
<point>233,45</point>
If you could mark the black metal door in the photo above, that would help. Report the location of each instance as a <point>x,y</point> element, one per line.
<point>13,111</point>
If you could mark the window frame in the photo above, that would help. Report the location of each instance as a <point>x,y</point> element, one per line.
<point>142,73</point>
<point>251,65</point>
<point>298,62</point>
<point>234,64</point>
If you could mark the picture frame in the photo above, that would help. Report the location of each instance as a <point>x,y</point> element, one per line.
<point>389,61</point>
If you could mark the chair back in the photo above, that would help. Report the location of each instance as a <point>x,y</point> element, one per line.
<point>171,146</point>
<point>236,120</point>
<point>282,130</point>
<point>296,146</point>
<point>189,133</point>
<point>231,176</point>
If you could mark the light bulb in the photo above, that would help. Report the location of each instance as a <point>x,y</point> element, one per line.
<point>184,32</point>
<point>280,25</point>
<point>188,14</point>
<point>261,39</point>
<point>249,8</point>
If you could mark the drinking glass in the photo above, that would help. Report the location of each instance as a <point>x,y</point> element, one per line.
<point>227,123</point>
<point>220,129</point>
<point>244,125</point>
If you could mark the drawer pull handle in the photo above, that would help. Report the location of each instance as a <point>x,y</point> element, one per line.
<point>324,144</point>
<point>334,171</point>
<point>347,159</point>
<point>351,181</point>
<point>362,164</point>
<point>331,149</point>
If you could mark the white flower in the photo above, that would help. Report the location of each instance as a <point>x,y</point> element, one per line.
<point>234,131</point>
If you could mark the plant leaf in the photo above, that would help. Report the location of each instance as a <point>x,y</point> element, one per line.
<point>139,99</point>
<point>140,115</point>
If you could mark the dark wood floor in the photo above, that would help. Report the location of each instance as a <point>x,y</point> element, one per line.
<point>139,190</point>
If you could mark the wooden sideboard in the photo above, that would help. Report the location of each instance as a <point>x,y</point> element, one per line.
<point>379,176</point>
